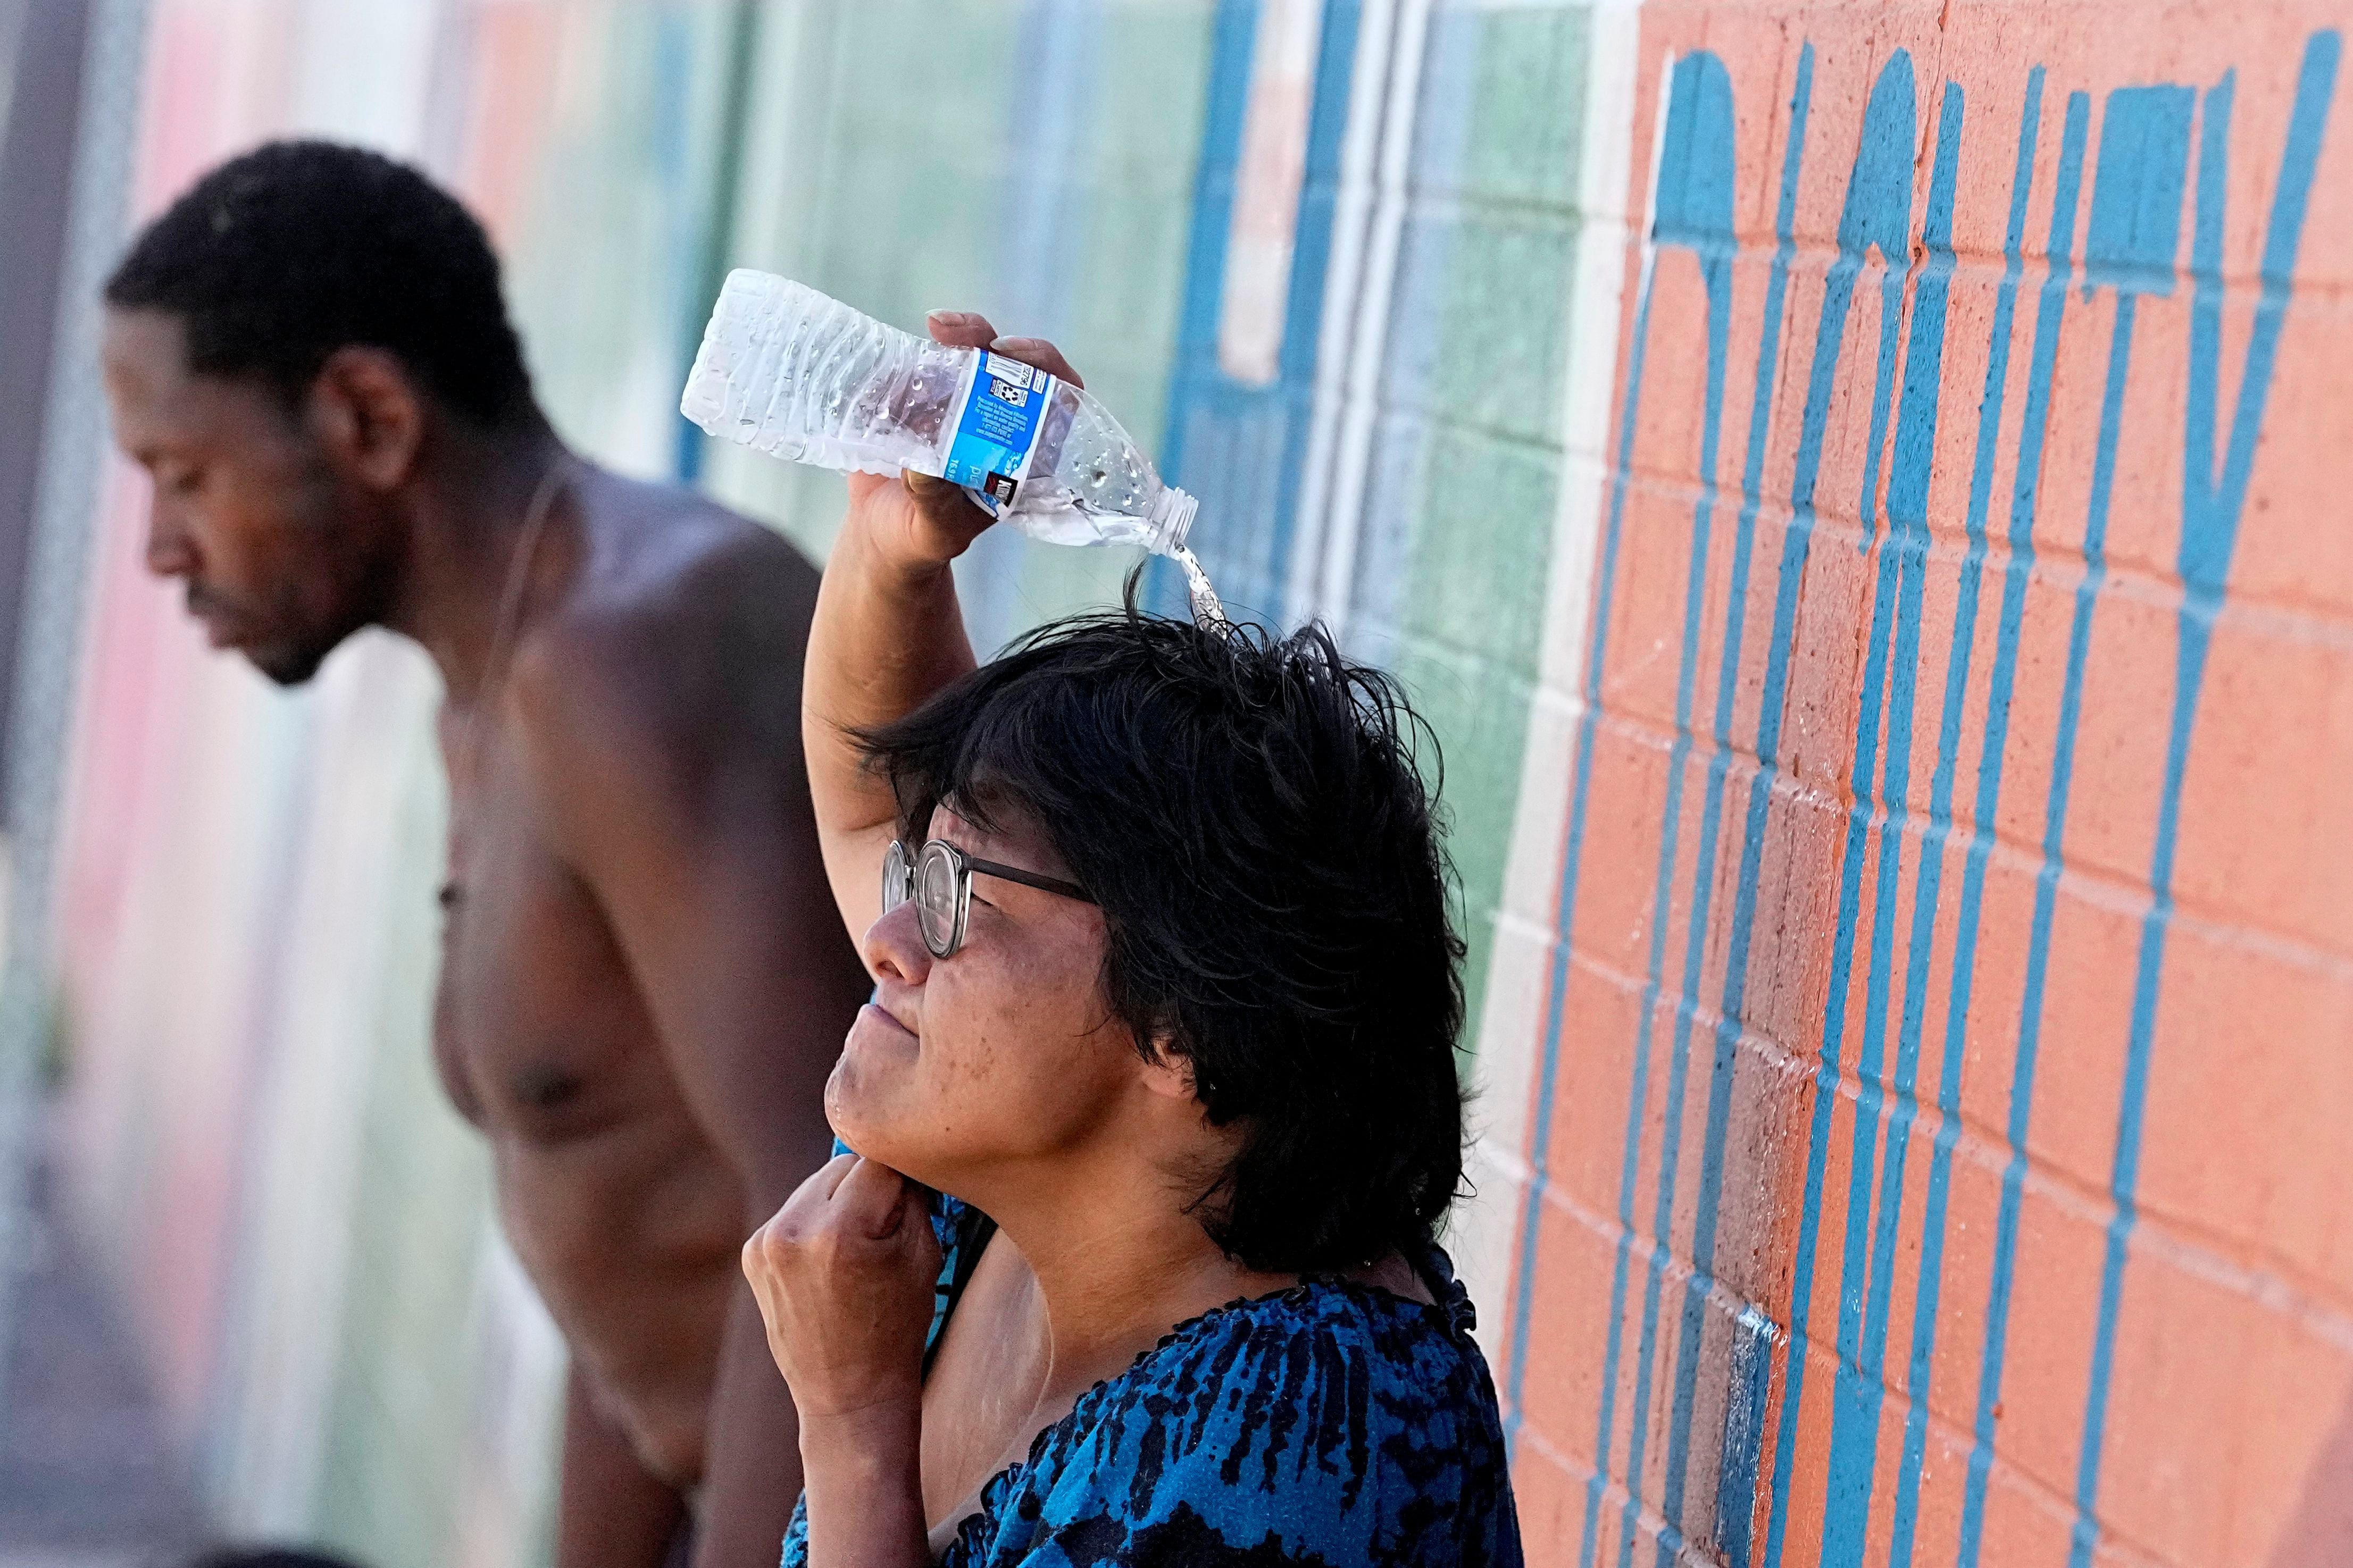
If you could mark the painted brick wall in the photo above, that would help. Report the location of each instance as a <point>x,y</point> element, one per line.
<point>1931,1157</point>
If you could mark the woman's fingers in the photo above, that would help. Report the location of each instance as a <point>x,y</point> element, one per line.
<point>947,509</point>
<point>862,486</point>
<point>848,1199</point>
<point>843,1276</point>
<point>970,330</point>
<point>1039,352</point>
<point>870,1200</point>
<point>800,1221</point>
<point>914,520</point>
<point>960,328</point>
<point>827,1179</point>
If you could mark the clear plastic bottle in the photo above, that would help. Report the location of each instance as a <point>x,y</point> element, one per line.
<point>790,371</point>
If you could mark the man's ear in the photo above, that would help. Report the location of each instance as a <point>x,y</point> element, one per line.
<point>369,415</point>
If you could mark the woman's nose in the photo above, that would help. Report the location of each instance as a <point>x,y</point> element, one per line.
<point>894,946</point>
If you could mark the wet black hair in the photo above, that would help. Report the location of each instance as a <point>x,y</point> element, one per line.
<point>279,258</point>
<point>1252,815</point>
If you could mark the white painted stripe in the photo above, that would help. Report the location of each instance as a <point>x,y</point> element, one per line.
<point>350,994</point>
<point>1368,215</point>
<point>1512,1017</point>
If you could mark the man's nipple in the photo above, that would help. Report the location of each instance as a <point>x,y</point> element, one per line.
<point>545,1086</point>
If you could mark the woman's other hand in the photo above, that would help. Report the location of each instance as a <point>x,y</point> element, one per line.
<point>844,1274</point>
<point>919,523</point>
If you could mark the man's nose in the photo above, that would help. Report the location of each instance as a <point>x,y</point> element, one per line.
<point>894,946</point>
<point>170,553</point>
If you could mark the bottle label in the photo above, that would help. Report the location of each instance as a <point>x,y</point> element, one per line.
<point>999,412</point>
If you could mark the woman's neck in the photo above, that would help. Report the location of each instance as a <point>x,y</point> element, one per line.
<point>1114,1274</point>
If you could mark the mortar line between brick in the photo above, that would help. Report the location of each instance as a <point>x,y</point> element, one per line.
<point>1955,1437</point>
<point>2057,562</point>
<point>2287,1287</point>
<point>2103,886</point>
<point>1821,1355</point>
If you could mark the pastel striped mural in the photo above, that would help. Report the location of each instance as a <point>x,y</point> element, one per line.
<point>1853,488</point>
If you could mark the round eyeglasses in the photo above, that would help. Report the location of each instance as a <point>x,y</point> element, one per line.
<point>938,878</point>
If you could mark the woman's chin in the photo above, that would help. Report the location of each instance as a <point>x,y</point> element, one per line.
<point>848,1108</point>
<point>879,1141</point>
<point>866,1123</point>
<point>876,1067</point>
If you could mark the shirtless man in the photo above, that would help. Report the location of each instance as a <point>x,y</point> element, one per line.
<point>644,982</point>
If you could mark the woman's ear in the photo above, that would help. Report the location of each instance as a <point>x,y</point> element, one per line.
<point>1168,1071</point>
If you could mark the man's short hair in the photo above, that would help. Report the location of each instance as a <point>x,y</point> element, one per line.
<point>1250,814</point>
<point>279,258</point>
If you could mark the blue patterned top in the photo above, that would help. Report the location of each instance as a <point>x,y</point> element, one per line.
<point>1331,1424</point>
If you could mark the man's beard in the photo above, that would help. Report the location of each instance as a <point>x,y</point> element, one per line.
<point>291,645</point>
<point>288,659</point>
<point>291,664</point>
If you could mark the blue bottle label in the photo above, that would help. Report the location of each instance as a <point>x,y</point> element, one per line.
<point>1004,406</point>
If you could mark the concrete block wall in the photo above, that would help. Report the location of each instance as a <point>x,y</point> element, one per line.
<point>1035,163</point>
<point>1854,487</point>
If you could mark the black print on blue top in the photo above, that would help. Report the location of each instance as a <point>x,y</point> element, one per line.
<point>1332,1424</point>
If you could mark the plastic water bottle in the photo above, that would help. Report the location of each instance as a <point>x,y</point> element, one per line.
<point>787,371</point>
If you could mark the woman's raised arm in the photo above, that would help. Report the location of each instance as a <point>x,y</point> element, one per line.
<point>887,634</point>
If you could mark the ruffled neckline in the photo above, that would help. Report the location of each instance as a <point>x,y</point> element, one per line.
<point>1451,1313</point>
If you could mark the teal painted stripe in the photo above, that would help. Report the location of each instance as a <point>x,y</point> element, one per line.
<point>1877,215</point>
<point>2210,514</point>
<point>2050,313</point>
<point>1920,1369</point>
<point>1859,1388</point>
<point>1744,1423</point>
<point>1695,213</point>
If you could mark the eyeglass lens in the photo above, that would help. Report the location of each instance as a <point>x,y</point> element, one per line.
<point>935,898</point>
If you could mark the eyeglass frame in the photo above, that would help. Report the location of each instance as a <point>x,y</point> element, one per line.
<point>909,878</point>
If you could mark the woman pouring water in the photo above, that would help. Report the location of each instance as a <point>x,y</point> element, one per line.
<point>1155,1111</point>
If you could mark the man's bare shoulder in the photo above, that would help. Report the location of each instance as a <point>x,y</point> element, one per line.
<point>685,626</point>
<point>675,569</point>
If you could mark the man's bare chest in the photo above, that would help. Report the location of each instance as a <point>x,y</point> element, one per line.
<point>540,1031</point>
